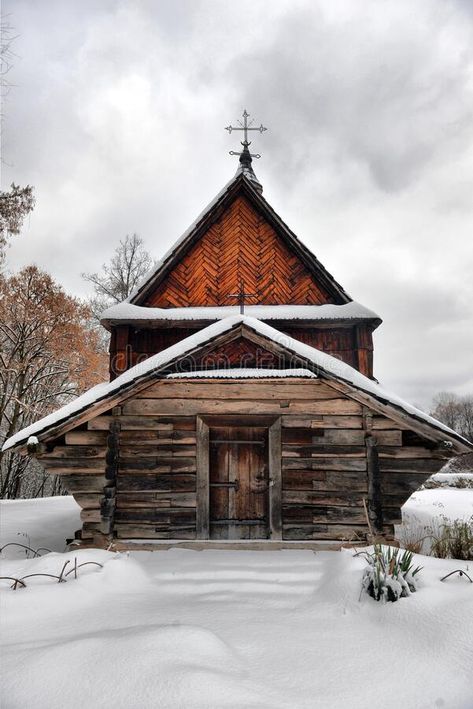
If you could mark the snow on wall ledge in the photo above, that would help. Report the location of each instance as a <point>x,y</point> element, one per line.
<point>323,362</point>
<point>349,311</point>
<point>243,373</point>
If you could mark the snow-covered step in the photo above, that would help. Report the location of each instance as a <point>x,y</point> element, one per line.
<point>223,575</point>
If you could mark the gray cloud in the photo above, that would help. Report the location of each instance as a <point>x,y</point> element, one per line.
<point>117,118</point>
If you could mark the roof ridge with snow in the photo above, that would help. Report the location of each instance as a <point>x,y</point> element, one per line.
<point>327,311</point>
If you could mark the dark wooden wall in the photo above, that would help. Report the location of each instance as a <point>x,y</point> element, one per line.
<point>352,344</point>
<point>134,470</point>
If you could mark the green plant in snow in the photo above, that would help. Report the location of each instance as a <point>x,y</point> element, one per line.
<point>390,574</point>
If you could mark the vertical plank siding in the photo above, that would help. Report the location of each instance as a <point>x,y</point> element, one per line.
<point>152,456</point>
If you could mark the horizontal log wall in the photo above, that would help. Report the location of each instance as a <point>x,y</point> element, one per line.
<point>323,458</point>
<point>80,460</point>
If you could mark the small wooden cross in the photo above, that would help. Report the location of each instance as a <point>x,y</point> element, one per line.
<point>241,295</point>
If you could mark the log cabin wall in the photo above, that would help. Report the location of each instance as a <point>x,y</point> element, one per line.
<point>352,344</point>
<point>134,470</point>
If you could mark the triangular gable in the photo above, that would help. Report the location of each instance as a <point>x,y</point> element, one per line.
<point>239,353</point>
<point>194,348</point>
<point>238,237</point>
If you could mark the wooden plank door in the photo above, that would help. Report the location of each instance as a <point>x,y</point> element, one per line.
<point>238,482</point>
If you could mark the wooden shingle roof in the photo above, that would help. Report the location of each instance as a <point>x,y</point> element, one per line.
<point>294,275</point>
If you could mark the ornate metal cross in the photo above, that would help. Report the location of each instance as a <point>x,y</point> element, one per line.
<point>246,126</point>
<point>241,295</point>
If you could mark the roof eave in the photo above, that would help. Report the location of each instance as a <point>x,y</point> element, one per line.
<point>235,327</point>
<point>143,323</point>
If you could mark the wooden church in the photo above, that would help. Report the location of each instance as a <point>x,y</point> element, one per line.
<point>241,404</point>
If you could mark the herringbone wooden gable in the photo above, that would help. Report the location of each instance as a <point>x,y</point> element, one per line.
<point>240,245</point>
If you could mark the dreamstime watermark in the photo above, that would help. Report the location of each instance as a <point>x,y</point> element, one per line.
<point>258,358</point>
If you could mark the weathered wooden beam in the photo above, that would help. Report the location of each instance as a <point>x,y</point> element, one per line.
<point>150,531</point>
<point>73,466</point>
<point>350,533</point>
<point>275,476</point>
<point>158,464</point>
<point>78,483</point>
<point>324,480</point>
<point>67,452</point>
<point>156,407</point>
<point>87,500</point>
<point>107,506</point>
<point>322,514</point>
<point>157,499</point>
<point>86,438</point>
<point>138,423</point>
<point>155,515</point>
<point>157,450</point>
<point>202,467</point>
<point>152,482</point>
<point>140,437</point>
<point>338,437</point>
<point>345,498</point>
<point>264,389</point>
<point>375,500</point>
<point>324,464</point>
<point>91,514</point>
<point>322,450</point>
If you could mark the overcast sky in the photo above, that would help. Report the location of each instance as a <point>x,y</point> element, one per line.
<point>116,117</point>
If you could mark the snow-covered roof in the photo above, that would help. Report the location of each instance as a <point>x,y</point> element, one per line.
<point>128,313</point>
<point>162,261</point>
<point>245,177</point>
<point>243,373</point>
<point>324,364</point>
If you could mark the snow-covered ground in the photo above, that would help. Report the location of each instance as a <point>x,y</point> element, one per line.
<point>45,522</point>
<point>213,629</point>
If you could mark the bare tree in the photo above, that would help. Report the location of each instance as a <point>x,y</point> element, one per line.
<point>455,411</point>
<point>7,37</point>
<point>18,201</point>
<point>117,279</point>
<point>14,207</point>
<point>48,355</point>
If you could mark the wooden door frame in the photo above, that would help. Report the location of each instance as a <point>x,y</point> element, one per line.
<point>203,424</point>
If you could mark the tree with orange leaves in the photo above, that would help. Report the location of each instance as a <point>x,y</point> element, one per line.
<point>49,353</point>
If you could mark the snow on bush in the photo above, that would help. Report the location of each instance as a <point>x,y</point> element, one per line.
<point>390,574</point>
<point>428,513</point>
